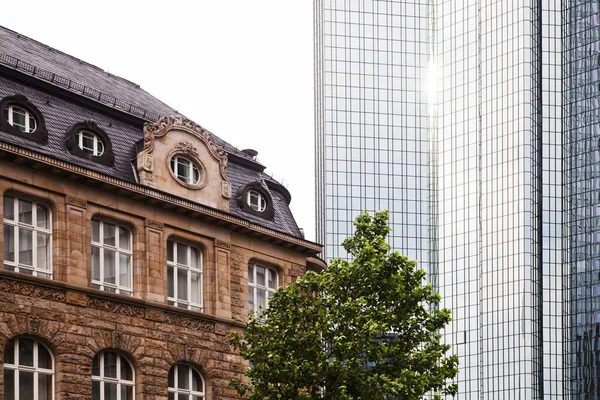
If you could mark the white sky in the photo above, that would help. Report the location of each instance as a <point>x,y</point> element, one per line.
<point>242,69</point>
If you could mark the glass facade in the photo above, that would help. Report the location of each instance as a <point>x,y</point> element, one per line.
<point>582,48</point>
<point>477,123</point>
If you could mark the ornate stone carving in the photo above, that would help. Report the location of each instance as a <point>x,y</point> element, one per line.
<point>186,148</point>
<point>189,353</point>
<point>160,128</point>
<point>76,201</point>
<point>155,224</point>
<point>27,289</point>
<point>188,322</point>
<point>34,325</point>
<point>114,307</point>
<point>117,339</point>
<point>223,244</point>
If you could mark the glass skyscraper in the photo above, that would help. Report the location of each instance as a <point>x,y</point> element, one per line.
<point>477,123</point>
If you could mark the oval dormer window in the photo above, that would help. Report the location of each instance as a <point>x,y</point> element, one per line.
<point>257,201</point>
<point>20,118</point>
<point>185,170</point>
<point>89,142</point>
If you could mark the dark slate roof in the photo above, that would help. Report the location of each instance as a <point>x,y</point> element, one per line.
<point>35,59</point>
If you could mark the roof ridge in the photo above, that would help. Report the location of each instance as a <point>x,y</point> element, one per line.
<point>53,49</point>
<point>76,87</point>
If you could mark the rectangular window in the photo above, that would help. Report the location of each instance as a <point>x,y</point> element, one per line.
<point>112,258</point>
<point>184,276</point>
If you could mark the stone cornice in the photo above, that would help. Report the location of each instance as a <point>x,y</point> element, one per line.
<point>237,223</point>
<point>31,286</point>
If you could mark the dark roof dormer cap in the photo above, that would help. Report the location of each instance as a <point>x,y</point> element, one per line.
<point>21,117</point>
<point>86,139</point>
<point>250,152</point>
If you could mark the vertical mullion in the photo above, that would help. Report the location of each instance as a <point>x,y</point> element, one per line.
<point>101,262</point>
<point>189,276</point>
<point>118,370</point>
<point>16,249</point>
<point>35,370</point>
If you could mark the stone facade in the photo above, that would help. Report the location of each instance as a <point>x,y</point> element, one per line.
<point>76,321</point>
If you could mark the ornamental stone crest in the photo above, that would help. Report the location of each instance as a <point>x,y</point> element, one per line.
<point>177,135</point>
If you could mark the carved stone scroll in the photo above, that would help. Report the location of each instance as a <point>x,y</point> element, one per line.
<point>115,307</point>
<point>188,322</point>
<point>76,201</point>
<point>27,289</point>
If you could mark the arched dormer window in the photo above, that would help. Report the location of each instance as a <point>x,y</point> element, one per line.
<point>255,199</point>
<point>19,116</point>
<point>88,140</point>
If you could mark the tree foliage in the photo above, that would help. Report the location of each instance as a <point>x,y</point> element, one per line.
<point>362,329</point>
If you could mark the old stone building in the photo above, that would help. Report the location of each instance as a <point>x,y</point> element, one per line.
<point>133,239</point>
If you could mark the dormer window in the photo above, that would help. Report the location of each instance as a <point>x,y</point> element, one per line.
<point>88,140</point>
<point>185,170</point>
<point>20,118</point>
<point>90,143</point>
<point>257,201</point>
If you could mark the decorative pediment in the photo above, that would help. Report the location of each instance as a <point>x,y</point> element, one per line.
<point>175,135</point>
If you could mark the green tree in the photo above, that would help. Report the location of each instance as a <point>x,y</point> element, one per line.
<point>361,329</point>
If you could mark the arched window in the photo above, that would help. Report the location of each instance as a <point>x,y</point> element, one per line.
<point>113,377</point>
<point>27,237</point>
<point>20,118</point>
<point>111,257</point>
<point>262,282</point>
<point>185,170</point>
<point>256,200</point>
<point>186,383</point>
<point>89,142</point>
<point>184,275</point>
<point>28,370</point>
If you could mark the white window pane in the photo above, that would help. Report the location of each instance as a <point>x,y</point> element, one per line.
<point>260,275</point>
<point>42,216</point>
<point>170,245</point>
<point>9,384</point>
<point>110,391</point>
<point>109,234</point>
<point>251,300</point>
<point>9,243</point>
<point>25,385</point>
<point>182,254</point>
<point>170,282</point>
<point>126,392</point>
<point>250,273</point>
<point>196,382</point>
<point>124,239</point>
<point>95,263</point>
<point>124,270</point>
<point>96,365</point>
<point>95,231</point>
<point>44,387</point>
<point>25,247</point>
<point>95,390</point>
<point>9,208</point>
<point>43,251</point>
<point>196,288</point>
<point>195,261</point>
<point>44,359</point>
<point>272,279</point>
<point>25,215</point>
<point>26,352</point>
<point>183,377</point>
<point>261,300</point>
<point>109,267</point>
<point>110,364</point>
<point>126,372</point>
<point>182,290</point>
<point>9,352</point>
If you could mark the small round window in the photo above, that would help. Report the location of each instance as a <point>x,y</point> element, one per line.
<point>20,118</point>
<point>185,170</point>
<point>256,200</point>
<point>89,142</point>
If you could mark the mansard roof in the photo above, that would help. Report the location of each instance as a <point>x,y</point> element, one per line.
<point>68,91</point>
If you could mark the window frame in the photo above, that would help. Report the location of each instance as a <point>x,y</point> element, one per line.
<point>261,199</point>
<point>94,152</point>
<point>39,134</point>
<point>191,394</point>
<point>254,286</point>
<point>174,300</point>
<point>17,226</point>
<point>103,247</point>
<point>35,369</point>
<point>118,381</point>
<point>193,167</point>
<point>28,116</point>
